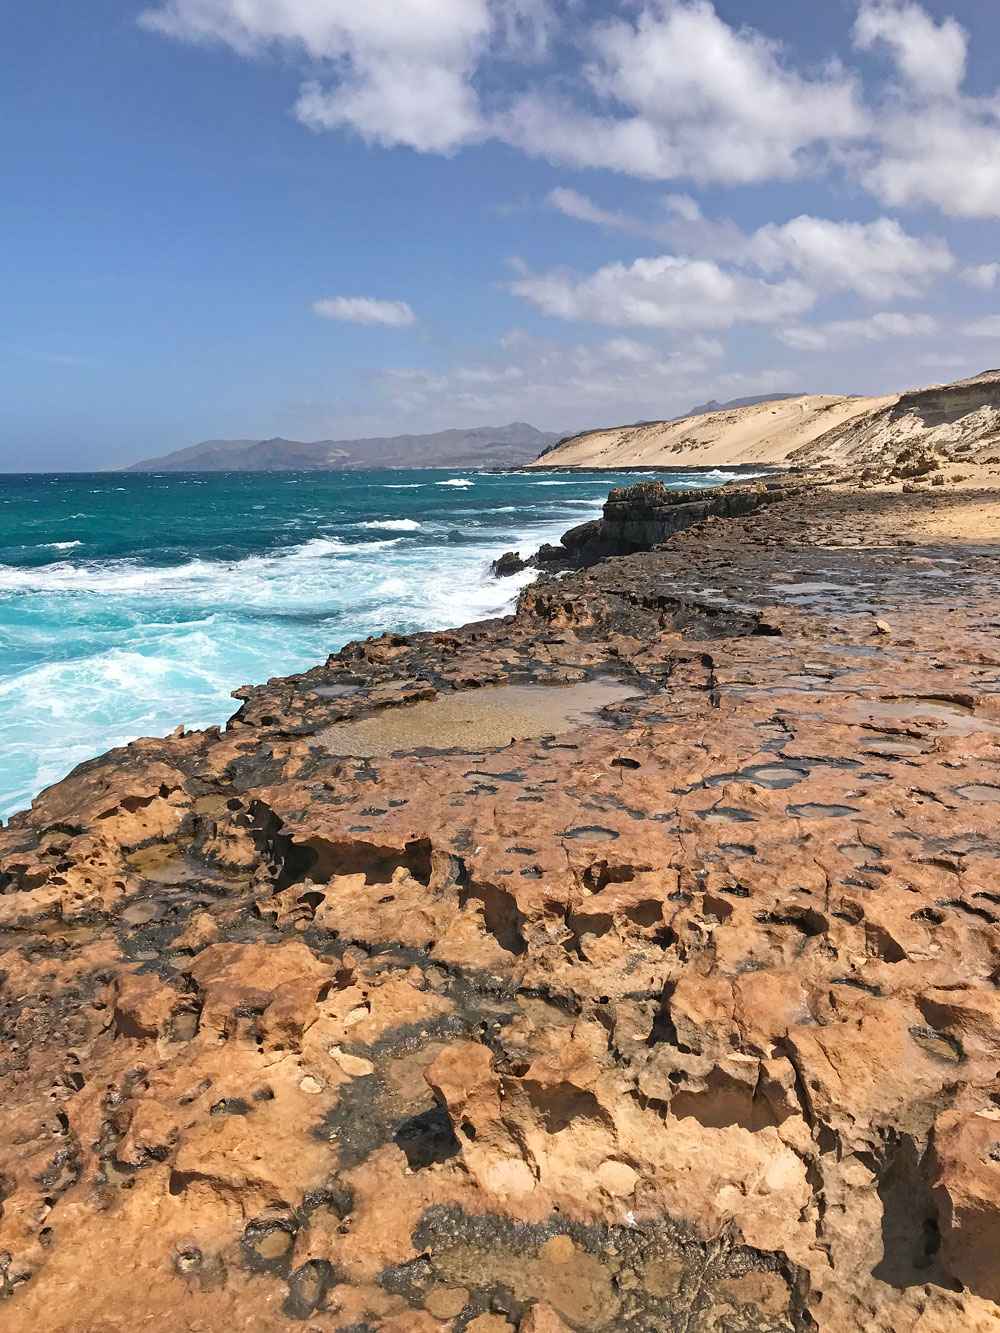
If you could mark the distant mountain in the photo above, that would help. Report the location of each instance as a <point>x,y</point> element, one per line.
<point>480,446</point>
<point>713,406</point>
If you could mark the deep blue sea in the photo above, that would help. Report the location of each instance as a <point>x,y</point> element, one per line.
<point>130,603</point>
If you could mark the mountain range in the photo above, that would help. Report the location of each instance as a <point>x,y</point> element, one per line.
<point>513,445</point>
<point>480,446</point>
<point>713,405</point>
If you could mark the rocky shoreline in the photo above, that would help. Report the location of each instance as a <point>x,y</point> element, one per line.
<point>640,517</point>
<point>679,1012</point>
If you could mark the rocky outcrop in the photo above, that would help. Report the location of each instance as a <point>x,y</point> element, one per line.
<point>680,1014</point>
<point>509,563</point>
<point>637,518</point>
<point>641,517</point>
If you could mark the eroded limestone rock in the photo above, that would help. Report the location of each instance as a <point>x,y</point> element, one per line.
<point>685,1017</point>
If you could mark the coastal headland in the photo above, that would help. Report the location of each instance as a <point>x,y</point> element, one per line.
<point>627,963</point>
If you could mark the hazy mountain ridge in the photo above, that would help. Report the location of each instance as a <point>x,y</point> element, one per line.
<point>512,445</point>
<point>713,405</point>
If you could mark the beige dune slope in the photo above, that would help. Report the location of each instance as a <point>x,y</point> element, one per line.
<point>763,433</point>
<point>811,430</point>
<point>961,418</point>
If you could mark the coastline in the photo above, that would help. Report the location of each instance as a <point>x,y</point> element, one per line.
<point>113,627</point>
<point>695,469</point>
<point>686,1011</point>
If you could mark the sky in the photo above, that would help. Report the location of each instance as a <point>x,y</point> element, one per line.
<point>331,219</point>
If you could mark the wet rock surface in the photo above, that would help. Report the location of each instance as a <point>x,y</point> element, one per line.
<point>683,1017</point>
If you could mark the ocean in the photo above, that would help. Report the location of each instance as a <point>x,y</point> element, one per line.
<point>131,603</point>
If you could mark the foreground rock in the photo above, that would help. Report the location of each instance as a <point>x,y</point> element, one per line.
<point>682,1015</point>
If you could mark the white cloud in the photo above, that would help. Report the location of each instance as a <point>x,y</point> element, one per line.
<point>983,328</point>
<point>577,386</point>
<point>685,228</point>
<point>931,144</point>
<point>688,96</point>
<point>329,29</point>
<point>930,56</point>
<point>944,155</point>
<point>670,93</point>
<point>666,292</point>
<point>400,69</point>
<point>425,106</point>
<point>680,93</point>
<point>981,276</point>
<point>878,328</point>
<point>525,27</point>
<point>572,204</point>
<point>878,260</point>
<point>365,310</point>
<point>683,206</point>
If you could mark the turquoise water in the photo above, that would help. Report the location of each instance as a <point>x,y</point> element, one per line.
<point>132,603</point>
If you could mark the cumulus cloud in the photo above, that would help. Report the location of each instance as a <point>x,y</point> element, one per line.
<point>667,92</point>
<point>878,260</point>
<point>931,143</point>
<point>365,310</point>
<point>885,325</point>
<point>665,292</point>
<point>981,276</point>
<point>929,56</point>
<point>681,94</point>
<point>576,386</point>
<point>399,70</point>
<point>947,156</point>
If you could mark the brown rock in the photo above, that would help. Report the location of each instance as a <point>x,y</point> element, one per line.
<point>966,1155</point>
<point>542,1319</point>
<point>697,995</point>
<point>142,1005</point>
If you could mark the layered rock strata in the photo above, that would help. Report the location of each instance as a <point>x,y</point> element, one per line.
<point>682,1015</point>
<point>637,518</point>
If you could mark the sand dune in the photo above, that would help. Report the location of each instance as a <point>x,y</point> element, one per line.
<point>812,430</point>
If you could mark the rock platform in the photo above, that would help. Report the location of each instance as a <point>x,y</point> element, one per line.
<point>683,1015</point>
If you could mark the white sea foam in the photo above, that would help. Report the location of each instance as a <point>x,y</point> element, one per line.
<point>717,475</point>
<point>121,648</point>
<point>58,546</point>
<point>181,639</point>
<point>315,547</point>
<point>215,579</point>
<point>455,481</point>
<point>403,485</point>
<point>393,524</point>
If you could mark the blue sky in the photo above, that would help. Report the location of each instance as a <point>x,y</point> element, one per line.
<point>314,218</point>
